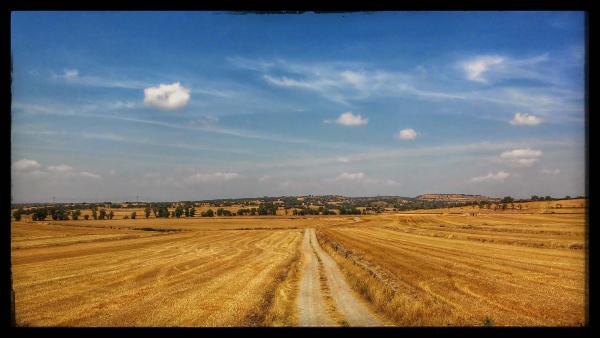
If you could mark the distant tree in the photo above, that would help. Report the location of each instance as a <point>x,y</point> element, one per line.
<point>126,217</point>
<point>548,198</point>
<point>75,214</point>
<point>508,199</point>
<point>208,213</point>
<point>133,215</point>
<point>178,211</point>
<point>192,212</point>
<point>111,214</point>
<point>86,217</point>
<point>102,214</point>
<point>534,198</point>
<point>186,211</point>
<point>17,215</point>
<point>147,211</point>
<point>94,213</point>
<point>567,197</point>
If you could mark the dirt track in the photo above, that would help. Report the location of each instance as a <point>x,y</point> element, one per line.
<point>311,302</point>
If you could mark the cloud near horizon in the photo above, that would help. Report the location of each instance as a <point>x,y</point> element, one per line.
<point>521,119</point>
<point>491,177</point>
<point>25,164</point>
<point>521,157</point>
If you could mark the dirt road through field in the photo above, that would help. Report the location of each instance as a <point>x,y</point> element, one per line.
<point>311,301</point>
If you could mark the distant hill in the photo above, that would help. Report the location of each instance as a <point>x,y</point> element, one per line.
<point>461,198</point>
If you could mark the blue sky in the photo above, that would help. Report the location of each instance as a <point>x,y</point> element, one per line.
<point>196,105</point>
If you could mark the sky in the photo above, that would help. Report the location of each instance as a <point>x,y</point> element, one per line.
<point>169,106</point>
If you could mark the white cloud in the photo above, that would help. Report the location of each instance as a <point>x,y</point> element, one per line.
<point>351,176</point>
<point>343,159</point>
<point>63,168</point>
<point>406,134</point>
<point>351,120</point>
<point>214,177</point>
<point>25,164</point>
<point>551,171</point>
<point>525,120</point>
<point>167,96</point>
<point>362,178</point>
<point>354,78</point>
<point>521,157</point>
<point>89,175</point>
<point>476,68</point>
<point>491,177</point>
<point>70,74</point>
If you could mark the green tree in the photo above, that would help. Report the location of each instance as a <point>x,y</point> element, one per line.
<point>111,214</point>
<point>178,211</point>
<point>133,215</point>
<point>208,213</point>
<point>17,215</point>
<point>192,212</point>
<point>147,211</point>
<point>102,214</point>
<point>94,213</point>
<point>75,214</point>
<point>507,199</point>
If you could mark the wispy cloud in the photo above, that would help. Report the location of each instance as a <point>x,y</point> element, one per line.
<point>73,76</point>
<point>550,171</point>
<point>476,68</point>
<point>491,177</point>
<point>213,177</point>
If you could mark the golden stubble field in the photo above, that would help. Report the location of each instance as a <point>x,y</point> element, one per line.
<point>450,268</point>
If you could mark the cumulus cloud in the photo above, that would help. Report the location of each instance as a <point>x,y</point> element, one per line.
<point>551,171</point>
<point>521,157</point>
<point>525,120</point>
<point>63,168</point>
<point>406,134</point>
<point>25,164</point>
<point>351,120</point>
<point>475,68</point>
<point>214,177</point>
<point>491,177</point>
<point>167,96</point>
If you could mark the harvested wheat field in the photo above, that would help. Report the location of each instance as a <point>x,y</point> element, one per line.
<point>406,269</point>
<point>505,269</point>
<point>74,276</point>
